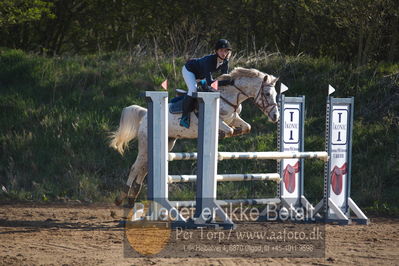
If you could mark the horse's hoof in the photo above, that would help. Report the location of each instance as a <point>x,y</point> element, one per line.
<point>131,202</point>
<point>119,199</point>
<point>237,131</point>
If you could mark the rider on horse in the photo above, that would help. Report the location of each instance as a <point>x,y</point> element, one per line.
<point>200,69</point>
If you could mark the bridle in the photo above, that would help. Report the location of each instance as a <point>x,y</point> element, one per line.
<point>264,103</point>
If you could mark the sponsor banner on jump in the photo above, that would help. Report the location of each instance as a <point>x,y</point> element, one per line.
<point>339,136</point>
<point>291,143</point>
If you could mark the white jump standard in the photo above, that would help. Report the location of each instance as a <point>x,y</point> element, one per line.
<point>337,202</point>
<point>291,138</point>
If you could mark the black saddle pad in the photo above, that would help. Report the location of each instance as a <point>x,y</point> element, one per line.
<point>176,105</point>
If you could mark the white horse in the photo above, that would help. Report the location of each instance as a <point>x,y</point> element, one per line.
<point>248,83</point>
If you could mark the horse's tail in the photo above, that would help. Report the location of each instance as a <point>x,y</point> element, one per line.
<point>128,127</point>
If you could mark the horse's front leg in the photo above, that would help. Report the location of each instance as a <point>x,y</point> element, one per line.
<point>224,130</point>
<point>240,126</point>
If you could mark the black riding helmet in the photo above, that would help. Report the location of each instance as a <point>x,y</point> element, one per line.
<point>222,43</point>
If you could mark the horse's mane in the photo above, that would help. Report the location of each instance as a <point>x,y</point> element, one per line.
<point>239,72</point>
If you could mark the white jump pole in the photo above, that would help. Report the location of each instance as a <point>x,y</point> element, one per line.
<point>268,155</point>
<point>227,177</point>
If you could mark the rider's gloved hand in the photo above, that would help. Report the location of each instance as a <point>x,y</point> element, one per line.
<point>202,85</point>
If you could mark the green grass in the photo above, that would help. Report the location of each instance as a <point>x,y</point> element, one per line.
<point>56,114</point>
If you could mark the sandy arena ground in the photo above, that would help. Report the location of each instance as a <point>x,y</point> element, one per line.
<point>70,234</point>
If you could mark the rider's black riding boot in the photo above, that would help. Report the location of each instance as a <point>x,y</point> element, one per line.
<point>188,103</point>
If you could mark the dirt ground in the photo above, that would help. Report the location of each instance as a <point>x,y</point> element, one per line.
<point>71,234</point>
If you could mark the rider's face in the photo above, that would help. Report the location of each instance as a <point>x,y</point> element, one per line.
<point>223,53</point>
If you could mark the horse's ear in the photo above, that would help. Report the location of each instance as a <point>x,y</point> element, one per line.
<point>274,81</point>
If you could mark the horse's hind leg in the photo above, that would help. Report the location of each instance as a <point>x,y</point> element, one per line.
<point>137,174</point>
<point>134,182</point>
<point>139,170</point>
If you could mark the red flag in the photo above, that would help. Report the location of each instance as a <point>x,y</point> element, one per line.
<point>215,85</point>
<point>165,84</point>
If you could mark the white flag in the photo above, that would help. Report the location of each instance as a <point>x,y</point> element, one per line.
<point>330,89</point>
<point>283,88</point>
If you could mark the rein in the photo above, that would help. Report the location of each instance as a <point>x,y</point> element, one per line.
<point>235,106</point>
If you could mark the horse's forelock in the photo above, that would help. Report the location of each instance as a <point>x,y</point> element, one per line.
<point>271,80</point>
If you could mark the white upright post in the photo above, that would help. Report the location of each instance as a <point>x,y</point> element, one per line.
<point>206,206</point>
<point>157,156</point>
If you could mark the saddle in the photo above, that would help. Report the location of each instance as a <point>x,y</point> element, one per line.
<point>336,178</point>
<point>289,177</point>
<point>176,103</point>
